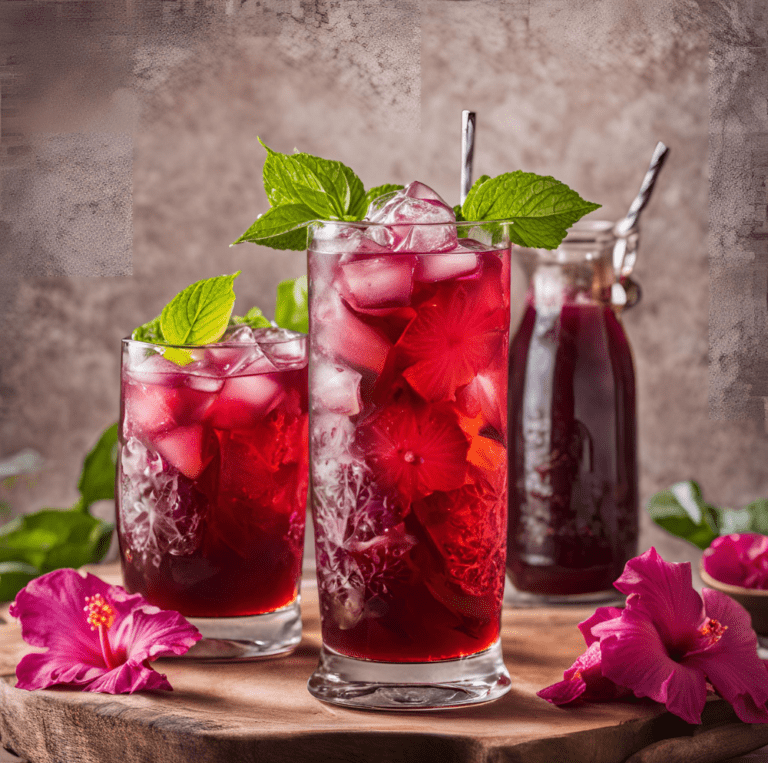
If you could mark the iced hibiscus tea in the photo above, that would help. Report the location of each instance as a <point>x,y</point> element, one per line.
<point>409,331</point>
<point>212,477</point>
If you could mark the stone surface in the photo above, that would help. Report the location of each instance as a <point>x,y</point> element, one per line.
<point>579,90</point>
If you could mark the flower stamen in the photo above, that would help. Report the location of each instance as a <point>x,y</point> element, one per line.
<point>713,631</point>
<point>101,616</point>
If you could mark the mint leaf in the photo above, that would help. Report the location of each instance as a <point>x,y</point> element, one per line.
<point>13,577</point>
<point>541,208</point>
<point>380,190</point>
<point>149,332</point>
<point>200,313</point>
<point>681,511</point>
<point>282,227</point>
<point>253,318</point>
<point>291,310</point>
<point>97,481</point>
<point>53,538</point>
<point>329,188</point>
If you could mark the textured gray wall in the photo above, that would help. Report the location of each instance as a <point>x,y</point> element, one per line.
<point>130,162</point>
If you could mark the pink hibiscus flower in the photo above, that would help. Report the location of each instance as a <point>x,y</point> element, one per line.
<point>666,644</point>
<point>739,559</point>
<point>98,637</point>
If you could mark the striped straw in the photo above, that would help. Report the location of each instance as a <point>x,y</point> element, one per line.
<point>644,194</point>
<point>467,151</point>
<point>627,225</point>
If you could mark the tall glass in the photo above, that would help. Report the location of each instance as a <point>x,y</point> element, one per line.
<point>408,358</point>
<point>573,508</point>
<point>212,486</point>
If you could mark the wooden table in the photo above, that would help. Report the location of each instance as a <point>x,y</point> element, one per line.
<point>261,711</point>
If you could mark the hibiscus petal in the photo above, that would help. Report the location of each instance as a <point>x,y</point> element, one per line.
<point>601,615</point>
<point>585,680</point>
<point>41,670</point>
<point>129,678</point>
<point>634,655</point>
<point>731,663</point>
<point>665,594</point>
<point>51,612</point>
<point>149,633</point>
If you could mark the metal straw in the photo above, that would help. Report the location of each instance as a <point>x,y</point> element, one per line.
<point>467,151</point>
<point>628,225</point>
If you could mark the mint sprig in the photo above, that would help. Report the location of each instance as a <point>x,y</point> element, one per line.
<point>301,188</point>
<point>253,318</point>
<point>200,313</point>
<point>541,208</point>
<point>292,309</point>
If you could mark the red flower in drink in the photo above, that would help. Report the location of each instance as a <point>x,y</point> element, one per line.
<point>453,337</point>
<point>98,637</point>
<point>417,449</point>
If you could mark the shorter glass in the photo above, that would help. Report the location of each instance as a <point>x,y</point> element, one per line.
<point>212,485</point>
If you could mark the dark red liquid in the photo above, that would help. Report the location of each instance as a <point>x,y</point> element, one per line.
<point>226,537</point>
<point>409,470</point>
<point>573,513</point>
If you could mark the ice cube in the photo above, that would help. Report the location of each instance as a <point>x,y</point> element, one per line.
<point>154,369</point>
<point>238,334</point>
<point>342,336</point>
<point>441,267</point>
<point>284,348</point>
<point>377,282</point>
<point>182,447</point>
<point>243,400</point>
<point>336,389</point>
<point>344,239</point>
<point>417,204</point>
<point>231,359</point>
<point>204,383</point>
<point>148,408</point>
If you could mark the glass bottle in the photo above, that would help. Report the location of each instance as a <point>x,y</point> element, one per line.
<point>573,495</point>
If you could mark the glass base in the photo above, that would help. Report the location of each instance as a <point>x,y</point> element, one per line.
<point>247,638</point>
<point>524,600</point>
<point>370,685</point>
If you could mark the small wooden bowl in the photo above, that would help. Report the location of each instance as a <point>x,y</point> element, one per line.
<point>754,600</point>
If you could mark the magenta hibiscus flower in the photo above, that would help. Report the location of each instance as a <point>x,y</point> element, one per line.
<point>98,637</point>
<point>739,559</point>
<point>666,644</point>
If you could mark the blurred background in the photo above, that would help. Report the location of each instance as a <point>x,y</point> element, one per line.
<point>130,162</point>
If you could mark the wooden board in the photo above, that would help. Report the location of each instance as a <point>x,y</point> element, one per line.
<point>261,711</point>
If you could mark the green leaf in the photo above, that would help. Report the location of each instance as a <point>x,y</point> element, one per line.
<point>53,538</point>
<point>291,310</point>
<point>97,481</point>
<point>681,511</point>
<point>541,208</point>
<point>753,518</point>
<point>200,313</point>
<point>283,227</point>
<point>13,577</point>
<point>149,332</point>
<point>380,190</point>
<point>329,188</point>
<point>253,318</point>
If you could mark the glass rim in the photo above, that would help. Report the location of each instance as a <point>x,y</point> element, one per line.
<point>365,224</point>
<point>229,345</point>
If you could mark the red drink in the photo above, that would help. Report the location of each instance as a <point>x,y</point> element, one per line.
<point>573,514</point>
<point>212,478</point>
<point>408,340</point>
